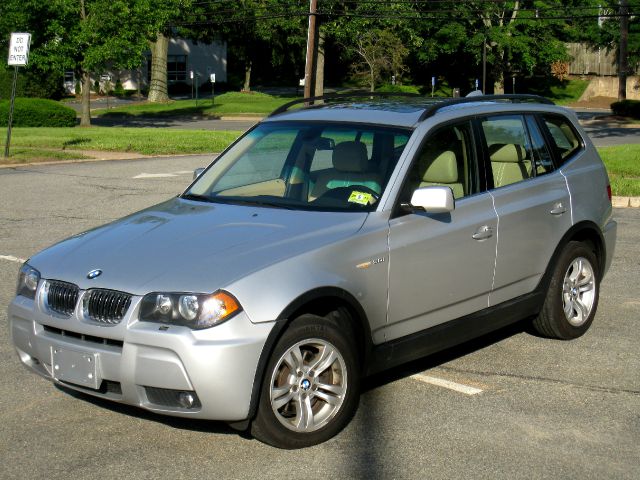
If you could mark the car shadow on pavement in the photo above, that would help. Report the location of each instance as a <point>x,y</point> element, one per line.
<point>366,459</point>
<point>445,356</point>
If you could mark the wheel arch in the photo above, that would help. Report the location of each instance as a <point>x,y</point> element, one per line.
<point>322,302</point>
<point>585,232</point>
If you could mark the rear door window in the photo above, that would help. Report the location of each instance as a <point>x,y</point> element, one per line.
<point>509,149</point>
<point>566,140</point>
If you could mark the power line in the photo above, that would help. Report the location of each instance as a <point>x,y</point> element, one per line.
<point>383,15</point>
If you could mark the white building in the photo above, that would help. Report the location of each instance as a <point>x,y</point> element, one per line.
<point>184,56</point>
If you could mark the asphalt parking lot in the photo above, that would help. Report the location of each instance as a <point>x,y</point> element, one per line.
<point>532,407</point>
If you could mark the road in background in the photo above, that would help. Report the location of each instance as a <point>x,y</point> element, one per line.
<point>601,127</point>
<point>548,409</point>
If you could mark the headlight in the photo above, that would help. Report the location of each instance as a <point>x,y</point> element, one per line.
<point>196,311</point>
<point>28,279</point>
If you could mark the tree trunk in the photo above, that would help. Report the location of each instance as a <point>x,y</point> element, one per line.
<point>623,61</point>
<point>158,92</point>
<point>85,116</point>
<point>319,87</point>
<point>372,80</point>
<point>247,77</point>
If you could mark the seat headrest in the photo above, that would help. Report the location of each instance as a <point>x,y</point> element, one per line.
<point>443,169</point>
<point>350,157</point>
<point>509,153</point>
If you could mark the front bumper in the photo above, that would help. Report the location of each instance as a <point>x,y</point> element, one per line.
<point>144,364</point>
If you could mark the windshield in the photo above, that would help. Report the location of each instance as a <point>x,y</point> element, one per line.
<point>319,166</point>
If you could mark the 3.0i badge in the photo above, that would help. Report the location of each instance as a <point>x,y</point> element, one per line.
<point>94,273</point>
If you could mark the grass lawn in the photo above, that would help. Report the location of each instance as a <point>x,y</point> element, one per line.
<point>230,103</point>
<point>39,144</point>
<point>623,165</point>
<point>565,93</point>
<point>47,144</point>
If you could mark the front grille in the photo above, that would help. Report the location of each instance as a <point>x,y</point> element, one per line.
<point>106,306</point>
<point>62,297</point>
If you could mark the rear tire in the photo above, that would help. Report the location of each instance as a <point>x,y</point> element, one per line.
<point>572,298</point>
<point>311,385</point>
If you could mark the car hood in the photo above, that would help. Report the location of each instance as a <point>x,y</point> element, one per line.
<point>183,245</point>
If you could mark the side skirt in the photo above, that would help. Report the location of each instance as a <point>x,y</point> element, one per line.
<point>454,332</point>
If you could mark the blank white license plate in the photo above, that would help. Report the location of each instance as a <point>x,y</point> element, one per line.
<point>75,367</point>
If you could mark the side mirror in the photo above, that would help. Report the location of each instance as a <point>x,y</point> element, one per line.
<point>433,199</point>
<point>197,172</point>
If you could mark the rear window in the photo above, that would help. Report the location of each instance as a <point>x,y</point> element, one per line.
<point>566,139</point>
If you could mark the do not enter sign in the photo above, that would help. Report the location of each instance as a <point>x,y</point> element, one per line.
<point>19,49</point>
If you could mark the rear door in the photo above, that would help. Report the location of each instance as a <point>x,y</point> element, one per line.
<point>531,199</point>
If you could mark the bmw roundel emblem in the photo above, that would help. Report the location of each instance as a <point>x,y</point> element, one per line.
<point>94,273</point>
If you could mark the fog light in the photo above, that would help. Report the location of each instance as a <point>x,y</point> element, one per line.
<point>186,399</point>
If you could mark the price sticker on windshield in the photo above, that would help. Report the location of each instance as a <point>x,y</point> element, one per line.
<point>361,198</point>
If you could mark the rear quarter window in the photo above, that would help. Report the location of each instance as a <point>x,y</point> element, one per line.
<point>566,140</point>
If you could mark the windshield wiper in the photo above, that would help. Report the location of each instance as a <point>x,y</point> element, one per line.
<point>262,203</point>
<point>197,197</point>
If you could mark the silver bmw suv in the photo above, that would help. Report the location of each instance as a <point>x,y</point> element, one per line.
<point>326,244</point>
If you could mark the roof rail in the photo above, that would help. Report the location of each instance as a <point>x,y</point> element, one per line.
<point>342,96</point>
<point>513,98</point>
<point>429,111</point>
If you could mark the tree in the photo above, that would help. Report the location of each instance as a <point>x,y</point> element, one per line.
<point>520,37</point>
<point>252,27</point>
<point>375,37</point>
<point>163,14</point>
<point>607,31</point>
<point>379,51</point>
<point>87,36</point>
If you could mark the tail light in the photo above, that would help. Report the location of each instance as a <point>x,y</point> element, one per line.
<point>609,191</point>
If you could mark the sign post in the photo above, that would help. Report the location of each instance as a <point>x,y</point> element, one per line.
<point>212,77</point>
<point>18,57</point>
<point>197,82</point>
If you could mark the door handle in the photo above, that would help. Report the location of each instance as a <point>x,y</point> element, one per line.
<point>558,209</point>
<point>482,233</point>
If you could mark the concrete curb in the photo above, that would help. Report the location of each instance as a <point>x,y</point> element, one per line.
<point>133,156</point>
<point>625,202</point>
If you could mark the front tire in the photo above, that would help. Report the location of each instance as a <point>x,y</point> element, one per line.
<point>572,298</point>
<point>311,385</point>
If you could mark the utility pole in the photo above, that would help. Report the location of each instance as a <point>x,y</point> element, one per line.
<point>484,65</point>
<point>310,67</point>
<point>623,61</point>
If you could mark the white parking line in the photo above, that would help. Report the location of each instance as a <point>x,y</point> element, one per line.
<point>440,382</point>
<point>11,258</point>
<point>164,175</point>
<point>155,175</point>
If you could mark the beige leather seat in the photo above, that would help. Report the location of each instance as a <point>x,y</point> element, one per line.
<point>350,164</point>
<point>443,170</point>
<point>508,164</point>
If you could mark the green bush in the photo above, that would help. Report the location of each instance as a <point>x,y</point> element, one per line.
<point>627,108</point>
<point>398,89</point>
<point>31,83</point>
<point>118,90</point>
<point>37,112</point>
